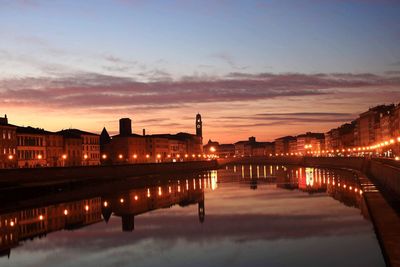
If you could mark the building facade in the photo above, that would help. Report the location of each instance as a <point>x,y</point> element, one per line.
<point>31,147</point>
<point>8,144</point>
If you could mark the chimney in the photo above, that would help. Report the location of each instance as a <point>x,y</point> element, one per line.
<point>125,126</point>
<point>144,132</point>
<point>4,120</point>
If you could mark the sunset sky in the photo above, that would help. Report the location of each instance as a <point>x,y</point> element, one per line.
<point>263,68</point>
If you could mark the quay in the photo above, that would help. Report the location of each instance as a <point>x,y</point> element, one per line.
<point>36,177</point>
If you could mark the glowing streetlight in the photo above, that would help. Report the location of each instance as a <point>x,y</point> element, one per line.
<point>10,157</point>
<point>64,156</point>
<point>104,156</point>
<point>212,149</point>
<point>135,156</point>
<point>85,156</point>
<point>39,156</point>
<point>65,212</point>
<point>87,207</point>
<point>120,156</point>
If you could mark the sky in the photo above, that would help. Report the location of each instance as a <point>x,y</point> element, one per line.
<point>251,68</point>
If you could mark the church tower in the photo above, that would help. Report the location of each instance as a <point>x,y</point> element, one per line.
<point>199,126</point>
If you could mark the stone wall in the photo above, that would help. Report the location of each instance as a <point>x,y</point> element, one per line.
<point>48,176</point>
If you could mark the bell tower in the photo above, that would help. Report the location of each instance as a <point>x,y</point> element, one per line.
<point>199,126</point>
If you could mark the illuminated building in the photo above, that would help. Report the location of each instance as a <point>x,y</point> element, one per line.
<point>8,144</point>
<point>310,142</point>
<point>252,148</point>
<point>286,144</point>
<point>31,147</point>
<point>128,147</point>
<point>82,148</point>
<point>54,149</point>
<point>368,128</point>
<point>341,137</point>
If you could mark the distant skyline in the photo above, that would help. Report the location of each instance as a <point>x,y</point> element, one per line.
<point>262,68</point>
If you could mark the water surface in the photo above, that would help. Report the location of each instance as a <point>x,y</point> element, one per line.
<point>239,216</point>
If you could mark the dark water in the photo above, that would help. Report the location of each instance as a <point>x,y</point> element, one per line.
<point>241,216</point>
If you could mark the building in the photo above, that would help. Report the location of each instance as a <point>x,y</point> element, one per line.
<point>340,138</point>
<point>226,150</point>
<point>253,148</point>
<point>285,145</point>
<point>81,148</point>
<point>54,149</point>
<point>8,144</point>
<point>31,147</point>
<point>308,142</point>
<point>129,148</point>
<point>368,128</point>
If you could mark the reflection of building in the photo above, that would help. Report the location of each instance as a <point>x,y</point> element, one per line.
<point>37,222</point>
<point>129,204</point>
<point>8,144</point>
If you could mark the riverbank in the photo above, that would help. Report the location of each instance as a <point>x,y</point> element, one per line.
<point>66,175</point>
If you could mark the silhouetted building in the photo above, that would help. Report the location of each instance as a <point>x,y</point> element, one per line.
<point>125,127</point>
<point>199,126</point>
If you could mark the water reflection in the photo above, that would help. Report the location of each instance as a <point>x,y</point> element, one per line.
<point>341,185</point>
<point>37,222</point>
<point>287,209</point>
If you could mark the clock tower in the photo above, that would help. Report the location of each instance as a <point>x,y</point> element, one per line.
<point>199,126</point>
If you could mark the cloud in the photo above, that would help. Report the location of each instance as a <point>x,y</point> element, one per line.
<point>229,60</point>
<point>91,90</point>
